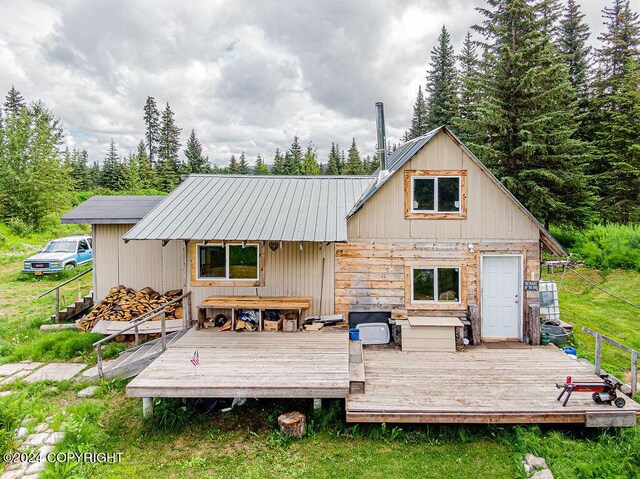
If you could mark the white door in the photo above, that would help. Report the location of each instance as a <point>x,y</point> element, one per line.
<point>501,306</point>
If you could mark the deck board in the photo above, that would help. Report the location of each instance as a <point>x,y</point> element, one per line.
<point>479,385</point>
<point>257,364</point>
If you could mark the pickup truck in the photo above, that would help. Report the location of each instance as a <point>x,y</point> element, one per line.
<point>60,254</point>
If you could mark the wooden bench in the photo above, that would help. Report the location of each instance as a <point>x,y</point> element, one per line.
<point>259,303</point>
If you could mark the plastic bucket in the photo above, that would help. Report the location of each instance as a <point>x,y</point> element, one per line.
<point>354,334</point>
<point>569,350</point>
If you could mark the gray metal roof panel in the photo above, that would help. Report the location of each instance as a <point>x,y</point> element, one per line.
<point>112,210</point>
<point>240,207</point>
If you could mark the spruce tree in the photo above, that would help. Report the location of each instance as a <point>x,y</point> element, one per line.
<point>574,47</point>
<point>169,165</point>
<point>131,180</point>
<point>243,165</point>
<point>111,173</point>
<point>233,166</point>
<point>278,163</point>
<point>293,158</point>
<point>260,167</point>
<point>419,119</point>
<point>14,102</point>
<point>549,13</point>
<point>310,164</point>
<point>442,83</point>
<point>529,117</point>
<point>152,127</point>
<point>147,178</point>
<point>617,103</point>
<point>353,165</point>
<point>196,162</point>
<point>333,163</point>
<point>465,124</point>
<point>80,173</point>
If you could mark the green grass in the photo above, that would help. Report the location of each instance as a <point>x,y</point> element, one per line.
<point>584,305</point>
<point>245,443</point>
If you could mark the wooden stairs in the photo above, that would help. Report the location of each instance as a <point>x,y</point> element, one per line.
<point>133,361</point>
<point>75,309</point>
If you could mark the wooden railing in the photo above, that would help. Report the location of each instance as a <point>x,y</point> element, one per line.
<point>601,338</point>
<point>57,291</point>
<point>143,318</point>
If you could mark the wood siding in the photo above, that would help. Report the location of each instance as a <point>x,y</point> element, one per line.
<point>490,213</point>
<point>136,264</point>
<point>370,276</point>
<point>288,271</point>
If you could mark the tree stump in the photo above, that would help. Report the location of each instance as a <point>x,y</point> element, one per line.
<point>293,424</point>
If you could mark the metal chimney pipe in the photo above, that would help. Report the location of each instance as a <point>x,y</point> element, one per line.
<point>382,136</point>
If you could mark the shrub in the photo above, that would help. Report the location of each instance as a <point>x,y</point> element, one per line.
<point>603,246</point>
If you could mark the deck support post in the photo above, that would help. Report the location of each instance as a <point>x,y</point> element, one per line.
<point>317,404</point>
<point>147,407</point>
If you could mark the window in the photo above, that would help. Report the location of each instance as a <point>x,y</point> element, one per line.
<point>438,285</point>
<point>436,194</point>
<point>83,246</point>
<point>230,262</point>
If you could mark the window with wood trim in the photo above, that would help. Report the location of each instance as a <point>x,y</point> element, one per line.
<point>435,194</point>
<point>435,285</point>
<point>228,262</point>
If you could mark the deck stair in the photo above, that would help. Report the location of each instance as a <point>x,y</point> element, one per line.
<point>75,309</point>
<point>133,361</point>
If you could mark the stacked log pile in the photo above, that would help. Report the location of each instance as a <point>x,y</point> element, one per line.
<point>125,304</point>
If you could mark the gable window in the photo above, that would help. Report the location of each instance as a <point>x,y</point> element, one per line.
<point>228,262</point>
<point>435,194</point>
<point>435,285</point>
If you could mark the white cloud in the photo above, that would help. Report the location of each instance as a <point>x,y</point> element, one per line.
<point>245,75</point>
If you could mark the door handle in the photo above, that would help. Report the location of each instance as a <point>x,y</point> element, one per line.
<point>516,301</point>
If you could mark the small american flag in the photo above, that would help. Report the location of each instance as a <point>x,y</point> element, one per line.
<point>195,359</point>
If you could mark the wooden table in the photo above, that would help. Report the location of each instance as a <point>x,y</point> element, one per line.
<point>260,303</point>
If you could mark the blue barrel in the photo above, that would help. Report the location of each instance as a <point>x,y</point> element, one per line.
<point>354,334</point>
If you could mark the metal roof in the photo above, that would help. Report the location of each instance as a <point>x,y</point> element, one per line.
<point>243,207</point>
<point>398,158</point>
<point>112,210</point>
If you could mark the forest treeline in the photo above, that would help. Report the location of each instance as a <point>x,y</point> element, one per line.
<point>557,121</point>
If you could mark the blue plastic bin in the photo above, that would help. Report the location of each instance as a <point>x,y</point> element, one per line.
<point>354,334</point>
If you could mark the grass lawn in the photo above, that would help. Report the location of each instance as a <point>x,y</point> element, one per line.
<point>245,443</point>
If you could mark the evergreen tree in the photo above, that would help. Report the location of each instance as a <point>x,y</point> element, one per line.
<point>80,173</point>
<point>14,102</point>
<point>278,163</point>
<point>353,165</point>
<point>196,162</point>
<point>293,158</point>
<point>617,103</point>
<point>310,164</point>
<point>243,165</point>
<point>529,117</point>
<point>131,180</point>
<point>574,35</point>
<point>233,168</point>
<point>169,164</point>
<point>419,121</point>
<point>260,167</point>
<point>152,123</point>
<point>111,173</point>
<point>549,13</point>
<point>333,164</point>
<point>442,83</point>
<point>465,124</point>
<point>147,178</point>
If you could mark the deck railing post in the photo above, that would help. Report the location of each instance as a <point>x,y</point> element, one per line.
<point>598,353</point>
<point>163,332</point>
<point>56,314</point>
<point>186,311</point>
<point>634,373</point>
<point>136,341</point>
<point>99,354</point>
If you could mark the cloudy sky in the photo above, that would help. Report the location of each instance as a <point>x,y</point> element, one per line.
<point>246,75</point>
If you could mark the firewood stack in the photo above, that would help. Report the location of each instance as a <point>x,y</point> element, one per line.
<point>125,304</point>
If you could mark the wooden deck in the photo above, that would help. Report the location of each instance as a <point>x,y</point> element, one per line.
<point>480,385</point>
<point>254,365</point>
